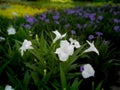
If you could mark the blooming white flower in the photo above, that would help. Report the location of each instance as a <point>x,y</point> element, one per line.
<point>11,30</point>
<point>58,36</point>
<point>65,50</point>
<point>8,87</point>
<point>92,48</point>
<point>2,38</point>
<point>74,43</point>
<point>26,45</point>
<point>88,71</point>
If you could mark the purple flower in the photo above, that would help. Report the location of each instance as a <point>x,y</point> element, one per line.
<point>92,16</point>
<point>56,17</point>
<point>116,28</point>
<point>70,11</point>
<point>27,16</point>
<point>81,68</point>
<point>116,20</point>
<point>27,26</point>
<point>100,17</point>
<point>47,20</point>
<point>99,34</point>
<point>57,22</point>
<point>115,13</point>
<point>111,10</point>
<point>90,37</point>
<point>22,24</point>
<point>85,25</point>
<point>73,32</point>
<point>79,26</point>
<point>42,17</point>
<point>31,20</point>
<point>67,25</point>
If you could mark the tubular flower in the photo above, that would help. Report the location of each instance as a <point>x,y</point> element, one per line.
<point>87,71</point>
<point>65,50</point>
<point>91,48</point>
<point>58,36</point>
<point>26,45</point>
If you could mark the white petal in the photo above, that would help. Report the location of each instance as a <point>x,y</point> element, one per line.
<point>63,56</point>
<point>91,48</point>
<point>64,43</point>
<point>74,43</point>
<point>65,50</point>
<point>58,36</point>
<point>8,87</point>
<point>2,38</point>
<point>11,30</point>
<point>63,35</point>
<point>88,71</point>
<point>26,45</point>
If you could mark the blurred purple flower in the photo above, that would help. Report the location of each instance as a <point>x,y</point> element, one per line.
<point>47,20</point>
<point>79,26</point>
<point>27,16</point>
<point>22,24</point>
<point>27,26</point>
<point>111,9</point>
<point>85,25</point>
<point>70,11</point>
<point>116,20</point>
<point>67,25</point>
<point>56,17</point>
<point>115,13</point>
<point>73,32</point>
<point>90,37</point>
<point>116,28</point>
<point>86,15</point>
<point>31,20</point>
<point>99,34</point>
<point>42,16</point>
<point>92,16</point>
<point>100,17</point>
<point>57,22</point>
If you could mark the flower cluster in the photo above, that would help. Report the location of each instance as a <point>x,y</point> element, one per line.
<point>66,49</point>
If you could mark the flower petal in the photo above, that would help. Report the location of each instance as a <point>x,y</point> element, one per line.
<point>91,48</point>
<point>88,71</point>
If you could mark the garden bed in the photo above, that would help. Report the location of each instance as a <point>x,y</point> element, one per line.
<point>52,50</point>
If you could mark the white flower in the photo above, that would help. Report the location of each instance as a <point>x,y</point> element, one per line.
<point>11,30</point>
<point>65,50</point>
<point>58,36</point>
<point>91,48</point>
<point>2,38</point>
<point>8,87</point>
<point>88,71</point>
<point>74,43</point>
<point>26,45</point>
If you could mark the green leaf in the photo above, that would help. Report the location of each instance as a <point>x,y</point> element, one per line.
<point>63,78</point>
<point>2,88</point>
<point>26,79</point>
<point>76,84</point>
<point>99,86</point>
<point>3,66</point>
<point>35,77</point>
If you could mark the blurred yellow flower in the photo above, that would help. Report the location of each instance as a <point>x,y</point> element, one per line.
<point>21,10</point>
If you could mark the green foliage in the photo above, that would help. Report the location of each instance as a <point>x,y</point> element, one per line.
<point>40,68</point>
